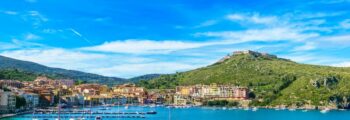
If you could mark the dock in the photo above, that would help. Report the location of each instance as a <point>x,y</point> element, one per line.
<point>89,112</point>
<point>68,116</point>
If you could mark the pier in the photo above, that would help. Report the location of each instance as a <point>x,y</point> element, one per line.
<point>68,116</point>
<point>88,112</point>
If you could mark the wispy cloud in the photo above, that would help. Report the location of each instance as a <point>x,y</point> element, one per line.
<point>253,18</point>
<point>305,47</point>
<point>342,64</point>
<point>10,12</point>
<point>31,36</point>
<point>7,46</point>
<point>136,46</point>
<point>146,68</point>
<point>55,57</point>
<point>345,24</point>
<point>34,17</point>
<point>38,15</point>
<point>336,40</point>
<point>270,34</point>
<point>206,23</point>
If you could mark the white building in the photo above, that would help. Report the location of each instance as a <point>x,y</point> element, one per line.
<point>32,99</point>
<point>7,102</point>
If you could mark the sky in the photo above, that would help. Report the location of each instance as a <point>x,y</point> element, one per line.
<point>128,38</point>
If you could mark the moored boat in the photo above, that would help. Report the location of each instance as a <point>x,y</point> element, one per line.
<point>255,109</point>
<point>325,110</point>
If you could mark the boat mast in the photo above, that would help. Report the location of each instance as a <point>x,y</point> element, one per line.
<point>59,101</point>
<point>83,107</point>
<point>169,114</point>
<point>118,108</point>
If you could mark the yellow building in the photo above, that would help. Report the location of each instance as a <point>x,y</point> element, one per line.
<point>183,90</point>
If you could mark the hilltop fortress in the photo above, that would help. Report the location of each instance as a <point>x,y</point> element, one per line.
<point>254,53</point>
<point>247,52</point>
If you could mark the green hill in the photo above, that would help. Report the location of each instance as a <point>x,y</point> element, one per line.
<point>272,80</point>
<point>13,68</point>
<point>144,77</point>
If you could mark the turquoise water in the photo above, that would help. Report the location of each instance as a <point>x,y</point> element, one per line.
<point>200,113</point>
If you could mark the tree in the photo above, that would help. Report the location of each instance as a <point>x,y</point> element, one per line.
<point>79,82</point>
<point>20,102</point>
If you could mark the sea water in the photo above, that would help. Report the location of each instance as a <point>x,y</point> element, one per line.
<point>204,113</point>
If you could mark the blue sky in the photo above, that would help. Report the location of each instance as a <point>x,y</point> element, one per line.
<point>131,38</point>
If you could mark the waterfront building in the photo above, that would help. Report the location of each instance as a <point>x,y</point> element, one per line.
<point>199,93</point>
<point>180,100</point>
<point>131,92</point>
<point>7,102</point>
<point>241,93</point>
<point>155,97</point>
<point>32,99</point>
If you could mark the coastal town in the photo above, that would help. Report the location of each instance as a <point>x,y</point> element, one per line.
<point>44,92</point>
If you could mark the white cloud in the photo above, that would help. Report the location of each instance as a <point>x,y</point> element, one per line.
<point>10,12</point>
<point>206,24</point>
<point>305,47</point>
<point>345,24</point>
<point>269,34</point>
<point>48,30</point>
<point>236,17</point>
<point>31,36</point>
<point>342,64</point>
<point>303,15</point>
<point>35,17</point>
<point>253,18</point>
<point>54,57</point>
<point>38,15</point>
<point>336,39</point>
<point>131,70</point>
<point>6,46</point>
<point>311,58</point>
<point>26,44</point>
<point>146,46</point>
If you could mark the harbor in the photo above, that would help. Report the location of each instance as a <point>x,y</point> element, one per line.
<point>190,113</point>
<point>88,112</point>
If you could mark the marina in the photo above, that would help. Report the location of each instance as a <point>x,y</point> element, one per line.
<point>188,113</point>
<point>89,112</point>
